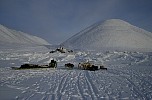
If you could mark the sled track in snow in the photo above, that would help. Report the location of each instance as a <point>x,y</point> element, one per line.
<point>136,90</point>
<point>83,81</point>
<point>61,86</point>
<point>91,86</point>
<point>79,84</point>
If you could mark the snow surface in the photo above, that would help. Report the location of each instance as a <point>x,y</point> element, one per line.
<point>112,34</point>
<point>129,76</point>
<point>10,37</point>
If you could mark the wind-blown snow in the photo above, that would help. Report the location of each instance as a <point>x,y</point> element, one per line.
<point>9,37</point>
<point>112,34</point>
<point>129,76</point>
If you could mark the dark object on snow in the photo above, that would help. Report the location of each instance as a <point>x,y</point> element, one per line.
<point>89,66</point>
<point>53,64</point>
<point>52,51</point>
<point>93,68</point>
<point>70,51</point>
<point>16,68</point>
<point>69,65</point>
<point>102,67</point>
<point>61,50</point>
<point>85,65</point>
<point>30,66</point>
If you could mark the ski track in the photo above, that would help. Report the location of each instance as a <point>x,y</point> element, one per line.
<point>120,81</point>
<point>75,84</point>
<point>135,89</point>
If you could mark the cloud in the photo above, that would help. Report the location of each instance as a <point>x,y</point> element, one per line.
<point>57,20</point>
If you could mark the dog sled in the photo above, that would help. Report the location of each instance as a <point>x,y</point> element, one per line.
<point>91,67</point>
<point>52,64</point>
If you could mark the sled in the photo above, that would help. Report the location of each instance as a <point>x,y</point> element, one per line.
<point>34,66</point>
<point>103,68</point>
<point>69,65</point>
<point>91,67</point>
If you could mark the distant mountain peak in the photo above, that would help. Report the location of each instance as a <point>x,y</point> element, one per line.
<point>13,37</point>
<point>113,34</point>
<point>115,22</point>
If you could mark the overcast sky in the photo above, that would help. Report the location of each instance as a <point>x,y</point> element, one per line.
<point>57,20</point>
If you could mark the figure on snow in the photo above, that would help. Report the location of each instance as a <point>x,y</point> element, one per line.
<point>53,64</point>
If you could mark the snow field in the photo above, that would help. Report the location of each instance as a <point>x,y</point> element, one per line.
<point>129,76</point>
<point>78,84</point>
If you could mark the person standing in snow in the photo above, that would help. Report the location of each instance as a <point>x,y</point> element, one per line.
<point>53,64</point>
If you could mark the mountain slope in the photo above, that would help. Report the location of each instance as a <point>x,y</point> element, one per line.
<point>113,34</point>
<point>9,36</point>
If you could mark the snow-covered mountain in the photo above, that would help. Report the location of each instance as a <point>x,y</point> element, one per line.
<point>111,34</point>
<point>13,37</point>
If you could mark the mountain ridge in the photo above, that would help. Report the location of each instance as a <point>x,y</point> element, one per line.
<point>10,36</point>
